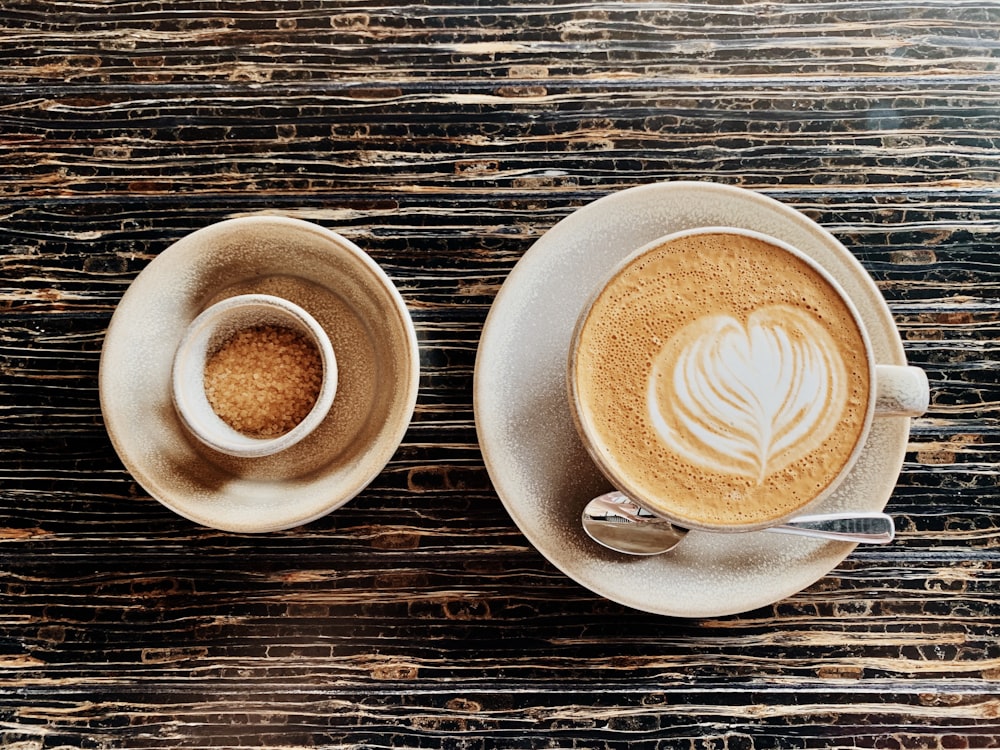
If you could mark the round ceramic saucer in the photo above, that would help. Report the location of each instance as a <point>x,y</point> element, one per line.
<point>368,325</point>
<point>541,470</point>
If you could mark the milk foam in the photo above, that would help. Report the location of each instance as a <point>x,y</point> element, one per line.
<point>722,380</point>
<point>747,399</point>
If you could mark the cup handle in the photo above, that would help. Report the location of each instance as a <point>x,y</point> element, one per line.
<point>900,391</point>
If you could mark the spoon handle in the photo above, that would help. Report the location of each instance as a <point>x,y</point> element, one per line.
<point>870,528</point>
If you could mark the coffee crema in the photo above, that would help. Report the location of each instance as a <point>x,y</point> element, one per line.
<point>723,380</point>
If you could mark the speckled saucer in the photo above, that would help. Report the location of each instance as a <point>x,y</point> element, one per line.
<point>348,294</point>
<point>541,470</point>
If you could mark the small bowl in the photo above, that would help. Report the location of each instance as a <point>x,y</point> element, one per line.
<point>206,334</point>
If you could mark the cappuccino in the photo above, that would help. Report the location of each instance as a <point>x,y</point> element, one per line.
<point>721,380</point>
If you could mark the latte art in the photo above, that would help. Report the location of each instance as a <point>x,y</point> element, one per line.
<point>747,399</point>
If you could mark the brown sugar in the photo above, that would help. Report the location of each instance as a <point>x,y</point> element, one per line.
<point>264,380</point>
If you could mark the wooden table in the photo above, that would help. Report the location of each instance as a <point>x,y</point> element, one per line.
<point>445,139</point>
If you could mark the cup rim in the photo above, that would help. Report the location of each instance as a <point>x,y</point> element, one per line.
<point>192,404</point>
<point>590,441</point>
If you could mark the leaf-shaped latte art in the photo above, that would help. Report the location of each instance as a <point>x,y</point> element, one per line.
<point>748,399</point>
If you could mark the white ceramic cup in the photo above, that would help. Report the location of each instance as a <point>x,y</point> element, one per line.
<point>713,440</point>
<point>210,330</point>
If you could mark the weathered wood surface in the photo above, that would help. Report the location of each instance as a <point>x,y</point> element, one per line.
<point>445,138</point>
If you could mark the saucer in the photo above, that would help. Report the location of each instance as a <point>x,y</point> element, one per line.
<point>351,298</point>
<point>540,468</point>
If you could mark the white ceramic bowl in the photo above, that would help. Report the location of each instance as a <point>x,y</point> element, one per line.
<point>206,333</point>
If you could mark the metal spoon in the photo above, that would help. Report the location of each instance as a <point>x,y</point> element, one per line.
<point>616,522</point>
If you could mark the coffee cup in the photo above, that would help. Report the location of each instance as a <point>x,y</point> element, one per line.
<point>253,375</point>
<point>724,380</point>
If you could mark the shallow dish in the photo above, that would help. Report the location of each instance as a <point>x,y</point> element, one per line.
<point>378,369</point>
<point>541,470</point>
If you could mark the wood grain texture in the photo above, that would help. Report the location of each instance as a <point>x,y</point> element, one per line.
<point>445,138</point>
